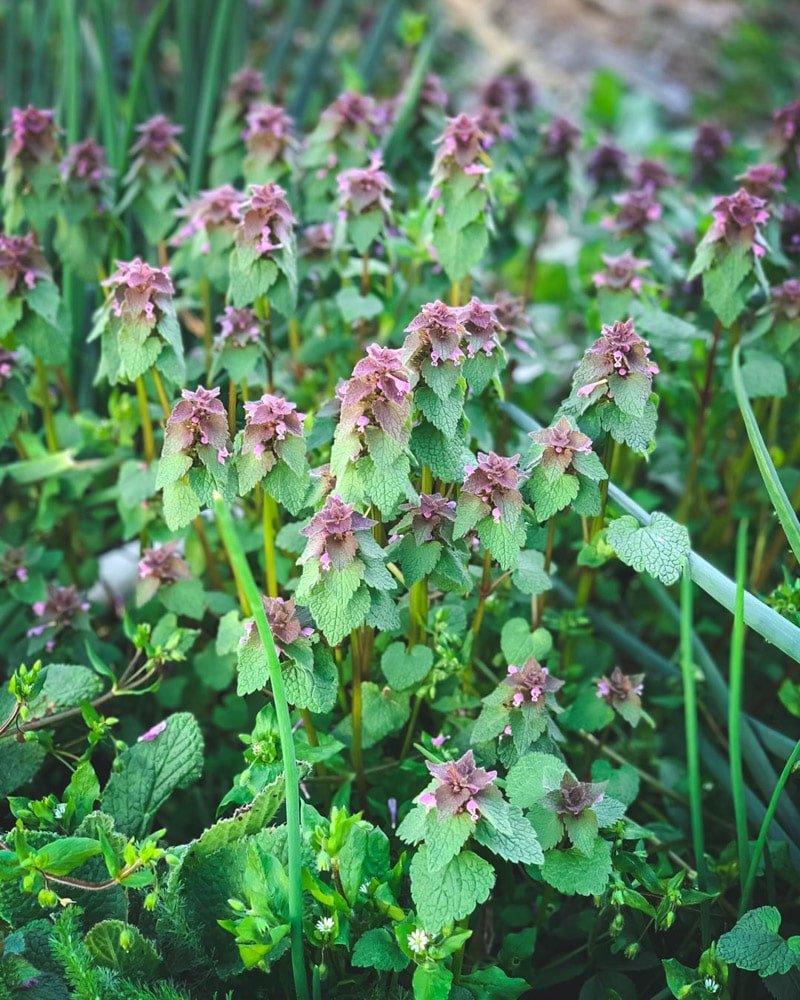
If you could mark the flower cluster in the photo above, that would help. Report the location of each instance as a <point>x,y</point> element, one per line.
<point>34,137</point>
<point>510,92</point>
<point>62,608</point>
<point>623,692</point>
<point>787,123</point>
<point>429,517</point>
<point>435,334</point>
<point>22,263</point>
<point>560,443</point>
<point>378,393</point>
<point>12,560</point>
<point>268,422</point>
<point>333,534</point>
<point>494,481</point>
<point>711,142</point>
<point>621,273</point>
<point>317,239</point>
<point>157,146</point>
<point>606,164</point>
<point>157,566</point>
<point>737,220</point>
<point>210,211</point>
<point>198,419</point>
<point>637,208</point>
<point>140,293</point>
<point>786,298</point>
<point>559,138</point>
<point>462,786</point>
<point>238,328</point>
<point>286,622</point>
<point>85,166</point>
<point>365,189</point>
<point>481,326</point>
<point>651,174</point>
<point>266,220</point>
<point>621,352</point>
<point>350,114</point>
<point>530,684</point>
<point>8,365</point>
<point>245,86</point>
<point>763,180</point>
<point>269,134</point>
<point>462,147</point>
<point>573,798</point>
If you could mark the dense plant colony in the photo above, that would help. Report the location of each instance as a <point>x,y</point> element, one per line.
<point>365,455</point>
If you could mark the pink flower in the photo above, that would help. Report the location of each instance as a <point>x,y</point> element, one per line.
<point>494,481</point>
<point>164,564</point>
<point>786,298</point>
<point>531,684</point>
<point>269,134</point>
<point>481,325</point>
<point>429,518</point>
<point>435,333</point>
<point>198,419</point>
<point>651,174</point>
<point>267,422</point>
<point>574,797</point>
<point>153,732</point>
<point>710,145</point>
<point>606,164</point>
<point>21,263</point>
<point>619,688</point>
<point>238,328</point>
<point>621,272</point>
<point>560,443</point>
<point>243,88</point>
<point>210,211</point>
<point>510,92</point>
<point>287,624</point>
<point>317,239</point>
<point>366,189</point>
<point>763,180</point>
<point>787,123</point>
<point>737,219</point>
<point>34,137</point>
<point>637,209</point>
<point>85,164</point>
<point>379,392</point>
<point>619,351</point>
<point>461,145</point>
<point>62,607</point>
<point>267,220</point>
<point>462,786</point>
<point>157,145</point>
<point>333,534</point>
<point>140,293</point>
<point>350,112</point>
<point>559,138</point>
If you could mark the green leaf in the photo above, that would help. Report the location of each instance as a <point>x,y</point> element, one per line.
<point>431,982</point>
<point>588,464</point>
<point>19,764</point>
<point>492,983</point>
<point>445,836</point>
<point>450,894</point>
<point>722,283</point>
<point>445,456</point>
<point>312,685</point>
<point>339,603</point>
<point>459,250</point>
<point>521,844</point>
<point>637,433</point>
<point>444,414</point>
<point>777,494</point>
<point>660,548</point>
<point>150,771</point>
<point>181,506</point>
<point>530,577</point>
<point>518,643</point>
<point>185,597</point>
<point>354,306</point>
<point>763,375</point>
<point>469,510</point>
<point>116,945</point>
<point>378,949</point>
<point>44,299</point>
<point>62,856</point>
<point>551,496</point>
<point>502,541</point>
<point>252,670</point>
<point>405,669</point>
<point>532,777</point>
<point>582,831</point>
<point>587,712</point>
<point>755,945</point>
<point>573,873</point>
<point>630,393</point>
<point>235,828</point>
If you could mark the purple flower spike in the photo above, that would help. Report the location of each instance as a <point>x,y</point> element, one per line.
<point>270,133</point>
<point>365,189</point>
<point>481,325</point>
<point>494,481</point>
<point>561,442</point>
<point>59,610</point>
<point>461,148</point>
<point>286,622</point>
<point>22,263</point>
<point>530,684</point>
<point>559,138</point>
<point>317,239</point>
<point>511,92</point>
<point>267,422</point>
<point>332,534</point>
<point>651,174</point>
<point>710,145</point>
<point>606,164</point>
<point>621,272</point>
<point>210,211</point>
<point>378,392</point>
<point>157,144</point>
<point>787,123</point>
<point>350,112</point>
<point>637,209</point>
<point>621,688</point>
<point>267,220</point>
<point>238,328</point>
<point>619,351</point>
<point>140,293</point>
<point>764,180</point>
<point>198,419</point>
<point>786,298</point>
<point>164,564</point>
<point>34,137</point>
<point>433,513</point>
<point>462,786</point>
<point>244,87</point>
<point>574,797</point>
<point>85,164</point>
<point>738,218</point>
<point>437,334</point>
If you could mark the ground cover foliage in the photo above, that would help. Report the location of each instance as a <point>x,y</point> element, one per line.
<point>398,562</point>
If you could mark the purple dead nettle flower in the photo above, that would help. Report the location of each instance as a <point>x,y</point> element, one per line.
<point>267,423</point>
<point>763,180</point>
<point>786,298</point>
<point>606,164</point>
<point>481,325</point>
<point>267,220</point>
<point>790,229</point>
<point>620,687</point>
<point>287,623</point>
<point>244,87</point>
<point>270,133</point>
<point>332,534</point>
<point>619,351</point>
<point>651,174</point>
<point>432,94</point>
<point>559,445</point>
<point>636,210</point>
<point>210,211</point>
<point>462,786</point>
<point>559,138</point>
<point>237,328</point>
<point>164,564</point>
<point>377,393</point>
<point>436,332</point>
<point>60,609</point>
<point>12,562</point>
<point>350,112</point>
<point>737,221</point>
<point>317,240</point>
<point>573,797</point>
<point>461,148</point>
<point>492,123</point>
<point>198,419</point>
<point>8,365</point>
<point>621,272</point>
<point>34,137</point>
<point>787,123</point>
<point>139,293</point>
<point>510,92</point>
<point>531,684</point>
<point>710,145</point>
<point>22,264</point>
<point>365,189</point>
<point>85,166</point>
<point>428,517</point>
<point>494,481</point>
<point>157,145</point>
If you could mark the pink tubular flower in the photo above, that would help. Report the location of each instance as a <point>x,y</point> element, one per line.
<point>85,164</point>
<point>157,144</point>
<point>637,209</point>
<point>22,263</point>
<point>34,137</point>
<point>244,87</point>
<point>494,481</point>
<point>428,517</point>
<point>481,326</point>
<point>378,392</point>
<point>140,293</point>
<point>786,298</point>
<point>435,333</point>
<point>365,189</point>
<point>153,732</point>
<point>763,180</point>
<point>651,174</point>
<point>574,797</point>
<point>333,534</point>
<point>560,443</point>
<point>267,422</point>
<point>211,210</point>
<point>619,351</point>
<point>531,684</point>
<point>267,220</point>
<point>461,146</point>
<point>8,364</point>
<point>198,419</point>
<point>61,607</point>
<point>286,622</point>
<point>270,131</point>
<point>462,787</point>
<point>737,219</point>
<point>620,687</point>
<point>621,272</point>
<point>559,138</point>
<point>350,112</point>
<point>237,328</point>
<point>164,564</point>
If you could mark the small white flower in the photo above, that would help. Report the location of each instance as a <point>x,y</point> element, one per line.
<point>325,925</point>
<point>711,985</point>
<point>364,888</point>
<point>418,941</point>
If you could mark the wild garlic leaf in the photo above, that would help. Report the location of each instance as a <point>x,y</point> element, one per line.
<point>659,548</point>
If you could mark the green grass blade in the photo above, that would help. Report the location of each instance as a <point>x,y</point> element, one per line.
<point>735,706</point>
<point>70,75</point>
<point>381,31</point>
<point>277,56</point>
<point>315,58</point>
<point>143,47</point>
<point>777,494</point>
<point>212,82</point>
<point>393,144</point>
<point>104,82</point>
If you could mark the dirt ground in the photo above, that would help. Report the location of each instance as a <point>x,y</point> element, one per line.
<point>665,47</point>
